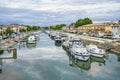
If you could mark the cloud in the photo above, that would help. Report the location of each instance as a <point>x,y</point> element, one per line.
<point>48,12</point>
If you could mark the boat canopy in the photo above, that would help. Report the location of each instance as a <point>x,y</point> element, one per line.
<point>74,40</point>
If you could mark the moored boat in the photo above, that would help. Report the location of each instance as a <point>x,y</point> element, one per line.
<point>58,39</point>
<point>95,51</point>
<point>31,39</point>
<point>79,52</point>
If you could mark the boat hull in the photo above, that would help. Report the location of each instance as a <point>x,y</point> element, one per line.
<point>96,54</point>
<point>80,57</point>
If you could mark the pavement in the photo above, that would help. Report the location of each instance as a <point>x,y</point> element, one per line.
<point>96,39</point>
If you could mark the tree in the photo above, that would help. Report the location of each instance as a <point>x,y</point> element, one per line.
<point>87,21</point>
<point>0,32</point>
<point>29,28</point>
<point>22,30</point>
<point>46,27</point>
<point>35,28</point>
<point>84,21</point>
<point>57,27</point>
<point>79,22</point>
<point>9,31</point>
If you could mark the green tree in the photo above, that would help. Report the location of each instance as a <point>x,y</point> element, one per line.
<point>9,31</point>
<point>84,21</point>
<point>35,28</point>
<point>46,27</point>
<point>29,28</point>
<point>79,22</point>
<point>0,32</point>
<point>57,27</point>
<point>22,30</point>
<point>87,21</point>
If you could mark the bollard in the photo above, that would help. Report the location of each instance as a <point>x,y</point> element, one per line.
<point>14,53</point>
<point>0,65</point>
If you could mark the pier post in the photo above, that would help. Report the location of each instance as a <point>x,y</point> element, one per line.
<point>0,65</point>
<point>14,53</point>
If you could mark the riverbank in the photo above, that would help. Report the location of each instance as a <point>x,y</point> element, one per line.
<point>108,44</point>
<point>7,43</point>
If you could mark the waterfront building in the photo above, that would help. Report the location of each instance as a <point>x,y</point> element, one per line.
<point>65,28</point>
<point>14,27</point>
<point>116,30</point>
<point>96,28</point>
<point>3,28</point>
<point>17,27</point>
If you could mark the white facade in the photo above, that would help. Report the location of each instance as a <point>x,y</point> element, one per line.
<point>116,31</point>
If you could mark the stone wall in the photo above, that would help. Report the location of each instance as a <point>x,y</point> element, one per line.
<point>111,46</point>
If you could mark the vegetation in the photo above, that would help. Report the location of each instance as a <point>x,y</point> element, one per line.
<point>84,21</point>
<point>57,27</point>
<point>30,28</point>
<point>0,32</point>
<point>9,31</point>
<point>22,30</point>
<point>35,28</point>
<point>1,52</point>
<point>46,28</point>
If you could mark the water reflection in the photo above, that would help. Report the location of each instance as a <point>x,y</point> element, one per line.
<point>119,58</point>
<point>97,59</point>
<point>9,53</point>
<point>85,65</point>
<point>58,44</point>
<point>31,45</point>
<point>22,45</point>
<point>48,61</point>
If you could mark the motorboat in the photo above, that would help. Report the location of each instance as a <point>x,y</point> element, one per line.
<point>52,34</point>
<point>31,39</point>
<point>64,37</point>
<point>37,35</point>
<point>66,45</point>
<point>95,51</point>
<point>79,52</point>
<point>58,39</point>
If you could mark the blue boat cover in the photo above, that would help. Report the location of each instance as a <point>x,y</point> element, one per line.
<point>74,40</point>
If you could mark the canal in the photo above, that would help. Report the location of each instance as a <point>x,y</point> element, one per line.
<point>49,61</point>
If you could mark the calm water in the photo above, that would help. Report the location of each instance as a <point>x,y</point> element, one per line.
<point>49,61</point>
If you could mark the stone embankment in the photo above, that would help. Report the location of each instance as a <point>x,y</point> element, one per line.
<point>108,44</point>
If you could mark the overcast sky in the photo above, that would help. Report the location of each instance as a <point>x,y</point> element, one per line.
<point>49,12</point>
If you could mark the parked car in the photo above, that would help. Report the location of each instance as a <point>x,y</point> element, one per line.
<point>116,37</point>
<point>80,33</point>
<point>85,34</point>
<point>5,37</point>
<point>12,35</point>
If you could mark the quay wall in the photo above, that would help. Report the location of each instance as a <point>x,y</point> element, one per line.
<point>111,46</point>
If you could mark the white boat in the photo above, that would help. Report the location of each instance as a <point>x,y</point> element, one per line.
<point>36,34</point>
<point>58,39</point>
<point>79,52</point>
<point>31,39</point>
<point>66,45</point>
<point>95,51</point>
